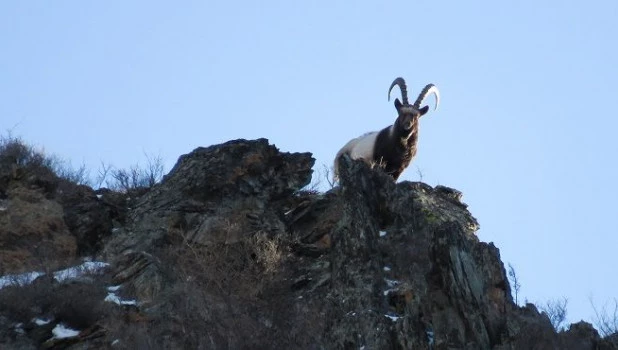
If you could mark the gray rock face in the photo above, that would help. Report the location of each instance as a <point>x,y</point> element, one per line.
<point>227,253</point>
<point>88,219</point>
<point>410,270</point>
<point>214,194</point>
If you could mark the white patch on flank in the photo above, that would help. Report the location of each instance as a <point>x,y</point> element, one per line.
<point>99,196</point>
<point>116,341</point>
<point>60,332</point>
<point>363,148</point>
<point>382,233</point>
<point>387,269</point>
<point>113,288</point>
<point>358,148</point>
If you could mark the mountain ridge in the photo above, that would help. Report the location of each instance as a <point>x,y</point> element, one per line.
<point>229,251</point>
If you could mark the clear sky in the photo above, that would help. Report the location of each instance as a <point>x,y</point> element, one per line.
<point>526,128</point>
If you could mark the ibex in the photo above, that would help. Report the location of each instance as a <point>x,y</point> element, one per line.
<point>393,147</point>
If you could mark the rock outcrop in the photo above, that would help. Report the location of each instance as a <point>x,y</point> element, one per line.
<point>33,232</point>
<point>48,222</point>
<point>228,252</point>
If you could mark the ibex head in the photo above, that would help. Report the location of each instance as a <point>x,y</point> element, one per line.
<point>409,114</point>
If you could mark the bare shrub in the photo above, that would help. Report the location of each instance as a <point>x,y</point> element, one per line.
<point>19,302</point>
<point>21,160</point>
<point>18,158</point>
<point>328,175</point>
<point>135,177</point>
<point>606,319</point>
<point>556,310</point>
<point>78,305</point>
<point>240,267</point>
<point>102,175</point>
<point>420,174</point>
<point>268,252</point>
<point>514,282</point>
<point>66,171</point>
<point>315,187</point>
<point>218,288</point>
<point>14,151</point>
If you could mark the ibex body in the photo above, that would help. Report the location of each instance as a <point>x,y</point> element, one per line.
<point>393,147</point>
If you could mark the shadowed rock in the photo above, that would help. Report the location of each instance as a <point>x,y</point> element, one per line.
<point>227,252</point>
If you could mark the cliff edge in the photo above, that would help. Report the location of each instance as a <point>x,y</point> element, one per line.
<point>228,252</point>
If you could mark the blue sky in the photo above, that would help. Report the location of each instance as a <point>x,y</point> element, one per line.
<point>526,126</point>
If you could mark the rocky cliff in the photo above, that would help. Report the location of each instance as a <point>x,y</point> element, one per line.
<point>228,252</point>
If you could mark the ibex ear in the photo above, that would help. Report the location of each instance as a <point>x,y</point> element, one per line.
<point>423,110</point>
<point>397,104</point>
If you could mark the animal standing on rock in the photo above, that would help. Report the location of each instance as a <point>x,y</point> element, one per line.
<point>393,147</point>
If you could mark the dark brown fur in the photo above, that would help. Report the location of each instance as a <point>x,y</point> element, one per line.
<point>395,152</point>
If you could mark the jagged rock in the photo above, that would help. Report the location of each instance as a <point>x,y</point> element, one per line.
<point>375,264</point>
<point>215,194</point>
<point>226,252</point>
<point>87,218</point>
<point>47,222</point>
<point>142,272</point>
<point>610,340</point>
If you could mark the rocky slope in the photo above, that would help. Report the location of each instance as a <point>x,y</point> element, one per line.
<point>228,252</point>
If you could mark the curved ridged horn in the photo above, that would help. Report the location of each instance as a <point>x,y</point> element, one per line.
<point>404,91</point>
<point>429,89</point>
